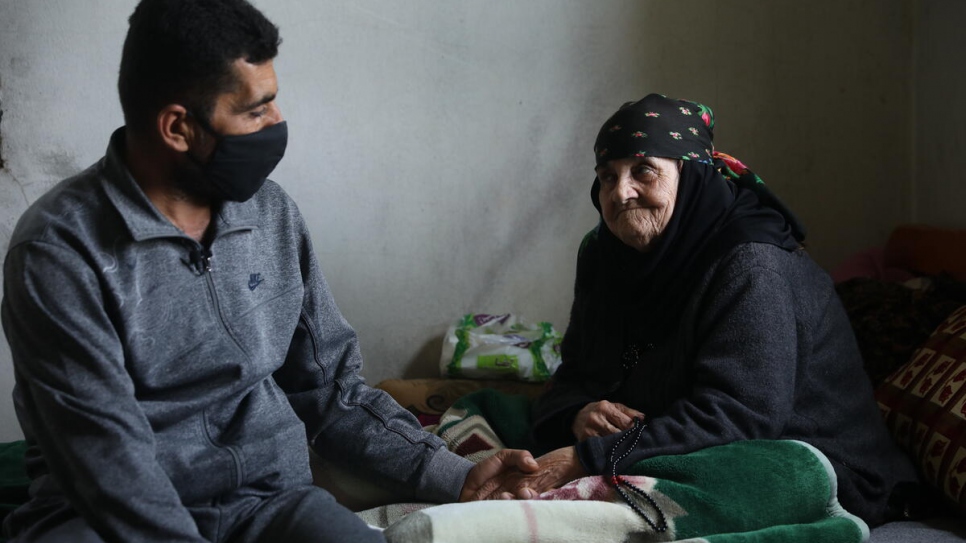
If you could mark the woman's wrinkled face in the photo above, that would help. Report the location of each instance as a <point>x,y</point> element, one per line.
<point>637,196</point>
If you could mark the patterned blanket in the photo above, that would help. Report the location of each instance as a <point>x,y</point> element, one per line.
<point>751,491</point>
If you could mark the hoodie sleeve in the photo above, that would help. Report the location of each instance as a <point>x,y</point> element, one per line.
<point>348,422</point>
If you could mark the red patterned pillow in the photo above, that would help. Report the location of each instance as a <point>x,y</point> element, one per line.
<point>924,405</point>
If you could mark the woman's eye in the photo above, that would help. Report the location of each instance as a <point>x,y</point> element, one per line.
<point>642,171</point>
<point>607,177</point>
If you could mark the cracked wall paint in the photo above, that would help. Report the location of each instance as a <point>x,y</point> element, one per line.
<point>2,164</point>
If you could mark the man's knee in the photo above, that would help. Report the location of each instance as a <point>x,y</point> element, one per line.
<point>58,529</point>
<point>313,515</point>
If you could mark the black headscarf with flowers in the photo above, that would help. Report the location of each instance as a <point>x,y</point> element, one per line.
<point>625,299</point>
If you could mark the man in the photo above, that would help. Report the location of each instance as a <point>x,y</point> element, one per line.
<point>174,341</point>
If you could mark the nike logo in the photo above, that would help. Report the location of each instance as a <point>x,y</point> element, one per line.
<point>254,280</point>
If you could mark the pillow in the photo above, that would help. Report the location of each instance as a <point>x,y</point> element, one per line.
<point>891,321</point>
<point>927,250</point>
<point>869,264</point>
<point>924,406</point>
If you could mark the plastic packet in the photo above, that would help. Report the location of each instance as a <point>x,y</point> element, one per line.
<point>481,346</point>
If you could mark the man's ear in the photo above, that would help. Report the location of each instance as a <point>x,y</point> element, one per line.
<point>175,130</point>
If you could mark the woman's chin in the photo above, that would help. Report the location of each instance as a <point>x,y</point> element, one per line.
<point>638,242</point>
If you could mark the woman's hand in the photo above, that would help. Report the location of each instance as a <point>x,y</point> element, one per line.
<point>489,475</point>
<point>557,468</point>
<point>603,418</point>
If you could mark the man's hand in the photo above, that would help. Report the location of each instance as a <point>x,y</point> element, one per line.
<point>603,418</point>
<point>557,468</point>
<point>487,476</point>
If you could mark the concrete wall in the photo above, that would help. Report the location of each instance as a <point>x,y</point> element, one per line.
<point>940,134</point>
<point>441,151</point>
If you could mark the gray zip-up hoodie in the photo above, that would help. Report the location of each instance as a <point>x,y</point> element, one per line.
<point>156,381</point>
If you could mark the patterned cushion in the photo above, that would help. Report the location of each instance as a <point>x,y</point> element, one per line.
<point>924,405</point>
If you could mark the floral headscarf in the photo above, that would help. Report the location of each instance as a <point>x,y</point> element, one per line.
<point>658,126</point>
<point>683,130</point>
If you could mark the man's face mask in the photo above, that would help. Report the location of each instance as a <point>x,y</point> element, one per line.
<point>240,164</point>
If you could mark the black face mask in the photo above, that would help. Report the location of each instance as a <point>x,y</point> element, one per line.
<point>240,164</point>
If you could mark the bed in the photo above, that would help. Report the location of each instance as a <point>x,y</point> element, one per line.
<point>907,303</point>
<point>754,503</point>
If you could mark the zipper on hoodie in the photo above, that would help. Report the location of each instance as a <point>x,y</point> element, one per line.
<point>200,260</point>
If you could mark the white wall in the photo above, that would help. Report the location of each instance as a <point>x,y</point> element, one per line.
<point>441,150</point>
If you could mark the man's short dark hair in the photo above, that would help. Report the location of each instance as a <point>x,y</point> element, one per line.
<point>181,51</point>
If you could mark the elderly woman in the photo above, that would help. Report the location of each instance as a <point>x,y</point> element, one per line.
<point>699,320</point>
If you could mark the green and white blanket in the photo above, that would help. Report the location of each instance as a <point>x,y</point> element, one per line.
<point>750,491</point>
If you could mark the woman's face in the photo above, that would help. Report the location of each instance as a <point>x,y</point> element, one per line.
<point>637,197</point>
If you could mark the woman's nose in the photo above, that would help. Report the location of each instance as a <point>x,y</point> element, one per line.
<point>624,190</point>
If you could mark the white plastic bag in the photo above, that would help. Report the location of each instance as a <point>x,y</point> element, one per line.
<point>500,347</point>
